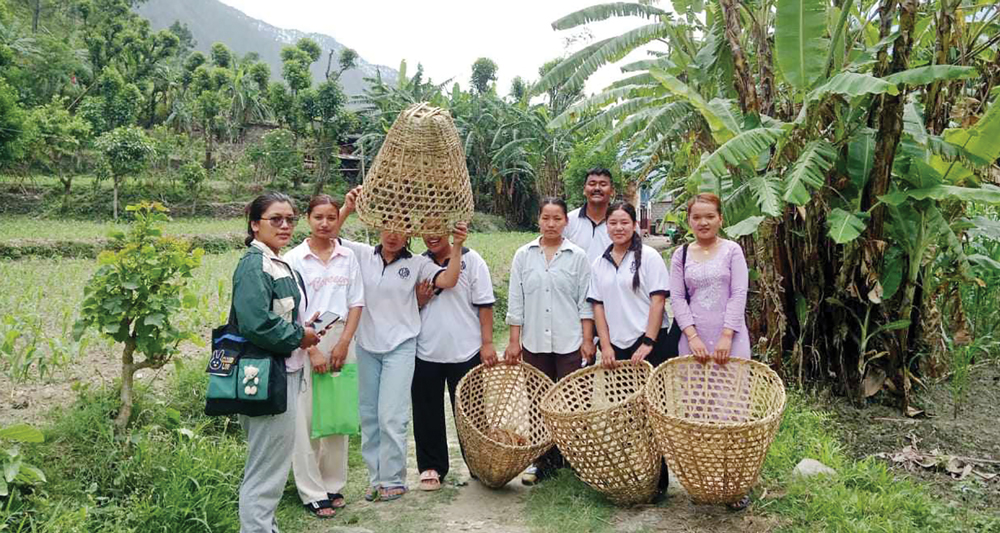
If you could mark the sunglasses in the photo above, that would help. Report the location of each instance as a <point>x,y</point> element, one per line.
<point>276,221</point>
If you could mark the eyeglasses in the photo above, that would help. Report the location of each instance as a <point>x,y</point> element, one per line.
<point>276,221</point>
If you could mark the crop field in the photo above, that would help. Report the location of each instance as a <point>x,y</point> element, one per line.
<point>39,297</point>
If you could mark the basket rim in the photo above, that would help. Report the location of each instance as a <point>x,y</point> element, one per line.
<point>641,393</point>
<point>460,411</point>
<point>656,411</point>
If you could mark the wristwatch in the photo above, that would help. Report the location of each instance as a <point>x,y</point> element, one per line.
<point>648,341</point>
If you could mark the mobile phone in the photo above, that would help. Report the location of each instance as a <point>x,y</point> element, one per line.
<point>325,320</point>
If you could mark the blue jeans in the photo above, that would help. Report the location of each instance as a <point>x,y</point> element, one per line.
<point>384,407</point>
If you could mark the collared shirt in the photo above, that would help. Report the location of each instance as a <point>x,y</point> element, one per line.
<point>390,316</point>
<point>266,297</point>
<point>627,310</point>
<point>591,236</point>
<point>334,285</point>
<point>450,329</point>
<point>549,299</point>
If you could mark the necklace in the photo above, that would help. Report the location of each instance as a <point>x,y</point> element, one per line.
<point>708,250</point>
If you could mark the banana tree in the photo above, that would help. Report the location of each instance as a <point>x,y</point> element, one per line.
<point>807,118</point>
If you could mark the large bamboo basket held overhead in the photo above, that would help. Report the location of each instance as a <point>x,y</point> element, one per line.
<point>418,184</point>
<point>597,417</point>
<point>714,424</point>
<point>498,420</point>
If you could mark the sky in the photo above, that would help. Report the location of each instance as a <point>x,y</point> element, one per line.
<point>447,36</point>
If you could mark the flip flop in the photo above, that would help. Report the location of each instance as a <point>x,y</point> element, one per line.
<point>430,480</point>
<point>392,492</point>
<point>317,508</point>
<point>373,493</point>
<point>334,498</point>
<point>530,476</point>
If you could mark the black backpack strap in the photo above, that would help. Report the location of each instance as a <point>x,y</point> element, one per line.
<point>684,258</point>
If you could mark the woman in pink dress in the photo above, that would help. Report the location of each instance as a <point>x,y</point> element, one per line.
<point>708,292</point>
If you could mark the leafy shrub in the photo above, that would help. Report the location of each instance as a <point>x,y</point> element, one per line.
<point>192,176</point>
<point>135,293</point>
<point>15,472</point>
<point>276,160</point>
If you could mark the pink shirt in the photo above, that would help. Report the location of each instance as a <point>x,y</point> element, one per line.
<point>334,285</point>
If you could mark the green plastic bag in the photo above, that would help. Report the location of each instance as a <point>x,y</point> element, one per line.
<point>335,403</point>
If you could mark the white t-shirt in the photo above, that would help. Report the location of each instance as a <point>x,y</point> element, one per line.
<point>627,310</point>
<point>333,286</point>
<point>390,317</point>
<point>583,232</point>
<point>450,329</point>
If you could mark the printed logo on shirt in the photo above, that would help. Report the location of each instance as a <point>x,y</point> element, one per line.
<point>339,281</point>
<point>404,272</point>
<point>633,267</point>
<point>463,264</point>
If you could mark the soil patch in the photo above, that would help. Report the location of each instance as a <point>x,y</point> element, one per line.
<point>975,433</point>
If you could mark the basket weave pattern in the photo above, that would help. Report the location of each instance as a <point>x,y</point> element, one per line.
<point>418,183</point>
<point>714,424</point>
<point>598,419</point>
<point>498,420</point>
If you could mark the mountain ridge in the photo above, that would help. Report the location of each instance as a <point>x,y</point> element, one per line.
<point>212,21</point>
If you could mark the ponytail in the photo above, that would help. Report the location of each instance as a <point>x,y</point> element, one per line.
<point>636,248</point>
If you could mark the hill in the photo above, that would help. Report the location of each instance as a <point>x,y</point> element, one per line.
<point>212,21</point>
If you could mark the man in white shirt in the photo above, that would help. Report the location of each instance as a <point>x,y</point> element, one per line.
<point>587,226</point>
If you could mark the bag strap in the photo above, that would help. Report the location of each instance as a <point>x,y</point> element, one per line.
<point>684,259</point>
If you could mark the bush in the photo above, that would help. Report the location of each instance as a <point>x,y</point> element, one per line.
<point>276,160</point>
<point>192,176</point>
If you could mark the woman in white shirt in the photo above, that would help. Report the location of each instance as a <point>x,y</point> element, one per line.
<point>456,335</point>
<point>629,286</point>
<point>551,322</point>
<point>332,279</point>
<point>387,347</point>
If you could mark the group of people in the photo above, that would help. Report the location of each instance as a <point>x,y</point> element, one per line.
<point>587,287</point>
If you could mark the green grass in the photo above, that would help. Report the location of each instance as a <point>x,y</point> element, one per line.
<point>566,504</point>
<point>22,227</point>
<point>864,496</point>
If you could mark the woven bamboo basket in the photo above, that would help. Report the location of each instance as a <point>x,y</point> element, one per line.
<point>498,420</point>
<point>597,417</point>
<point>418,183</point>
<point>714,424</point>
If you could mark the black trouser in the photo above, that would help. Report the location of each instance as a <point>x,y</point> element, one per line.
<point>556,366</point>
<point>427,393</point>
<point>665,348</point>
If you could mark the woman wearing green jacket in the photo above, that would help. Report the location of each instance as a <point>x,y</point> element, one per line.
<point>265,301</point>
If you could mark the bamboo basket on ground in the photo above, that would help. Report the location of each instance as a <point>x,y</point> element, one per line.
<point>597,417</point>
<point>499,424</point>
<point>418,183</point>
<point>714,424</point>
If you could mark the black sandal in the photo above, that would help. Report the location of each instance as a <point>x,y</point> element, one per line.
<point>334,496</point>
<point>740,505</point>
<point>317,507</point>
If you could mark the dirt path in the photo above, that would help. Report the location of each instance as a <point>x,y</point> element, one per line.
<point>466,505</point>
